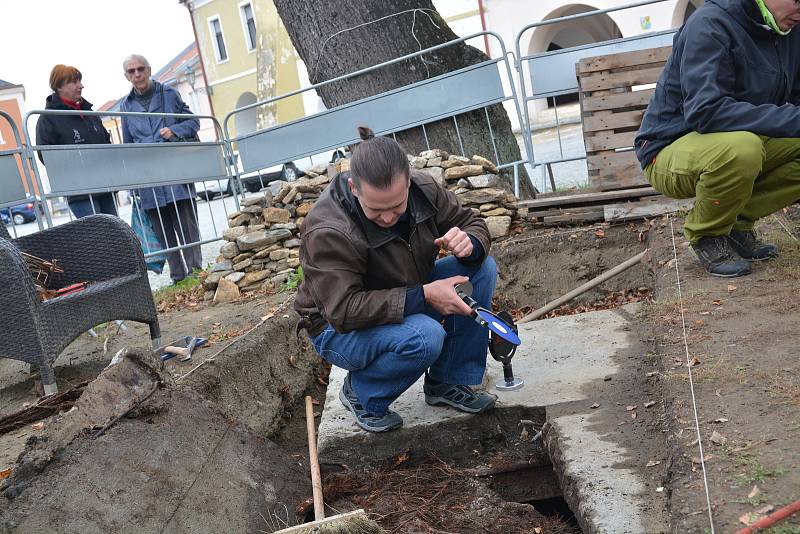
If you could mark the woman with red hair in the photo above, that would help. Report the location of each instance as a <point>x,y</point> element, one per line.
<point>65,81</point>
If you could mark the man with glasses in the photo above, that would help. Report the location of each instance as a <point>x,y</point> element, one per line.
<point>723,126</point>
<point>172,208</point>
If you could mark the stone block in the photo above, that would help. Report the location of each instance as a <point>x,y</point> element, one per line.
<point>485,163</point>
<point>449,163</point>
<point>290,196</point>
<point>235,277</point>
<point>279,190</point>
<point>264,252</point>
<point>226,265</point>
<point>261,239</point>
<point>241,257</point>
<point>275,215</point>
<point>303,209</point>
<point>229,250</point>
<point>462,171</point>
<point>279,254</point>
<point>434,153</point>
<point>241,219</point>
<point>227,291</point>
<point>498,226</point>
<point>434,162</point>
<point>285,226</point>
<point>483,181</point>
<point>418,163</point>
<point>314,185</point>
<point>258,200</point>
<point>497,212</point>
<point>230,234</point>
<point>482,196</point>
<point>242,265</point>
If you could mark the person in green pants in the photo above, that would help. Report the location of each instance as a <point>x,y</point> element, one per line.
<point>723,126</point>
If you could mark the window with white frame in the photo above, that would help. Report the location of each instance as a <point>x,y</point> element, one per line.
<point>218,39</point>
<point>248,25</point>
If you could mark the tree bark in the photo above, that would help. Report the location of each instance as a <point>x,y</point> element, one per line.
<point>336,37</point>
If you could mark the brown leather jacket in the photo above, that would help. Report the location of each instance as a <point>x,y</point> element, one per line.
<point>355,272</point>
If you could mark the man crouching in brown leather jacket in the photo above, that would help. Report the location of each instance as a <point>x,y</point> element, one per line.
<point>375,300</point>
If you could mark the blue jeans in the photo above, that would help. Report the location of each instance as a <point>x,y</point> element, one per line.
<point>386,360</point>
<point>98,203</point>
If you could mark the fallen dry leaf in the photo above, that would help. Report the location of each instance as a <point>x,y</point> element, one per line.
<point>38,426</point>
<point>705,313</point>
<point>652,373</point>
<point>716,302</point>
<point>717,438</point>
<point>695,361</point>
<point>595,405</point>
<point>630,408</point>
<point>755,492</point>
<point>707,458</point>
<point>5,473</point>
<point>731,287</point>
<point>721,420</point>
<point>649,404</point>
<point>652,463</point>
<point>699,322</point>
<point>751,517</point>
<point>633,415</point>
<point>600,233</point>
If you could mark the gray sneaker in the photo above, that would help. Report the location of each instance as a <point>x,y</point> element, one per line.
<point>460,397</point>
<point>369,422</point>
<point>718,258</point>
<point>747,244</point>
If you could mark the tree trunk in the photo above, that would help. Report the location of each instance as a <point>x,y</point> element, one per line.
<point>336,37</point>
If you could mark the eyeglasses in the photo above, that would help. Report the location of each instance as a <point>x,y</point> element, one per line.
<point>135,70</point>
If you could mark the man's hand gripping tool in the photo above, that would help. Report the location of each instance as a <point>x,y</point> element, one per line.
<point>503,338</point>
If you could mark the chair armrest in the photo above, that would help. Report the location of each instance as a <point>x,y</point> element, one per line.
<point>93,248</point>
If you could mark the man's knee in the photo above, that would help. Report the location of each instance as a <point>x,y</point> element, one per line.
<point>742,151</point>
<point>427,339</point>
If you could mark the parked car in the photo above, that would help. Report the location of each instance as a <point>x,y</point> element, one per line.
<point>20,214</point>
<point>252,182</point>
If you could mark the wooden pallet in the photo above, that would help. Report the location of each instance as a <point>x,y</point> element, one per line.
<point>612,105</point>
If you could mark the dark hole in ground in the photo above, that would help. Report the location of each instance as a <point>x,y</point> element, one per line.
<point>557,507</point>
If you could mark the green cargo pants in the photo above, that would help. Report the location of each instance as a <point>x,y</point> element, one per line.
<point>735,177</point>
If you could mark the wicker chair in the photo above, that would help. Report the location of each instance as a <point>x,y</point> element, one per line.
<point>99,249</point>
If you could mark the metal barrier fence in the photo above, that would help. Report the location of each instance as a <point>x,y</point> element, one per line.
<point>551,74</point>
<point>105,168</point>
<point>99,169</point>
<point>442,97</point>
<point>16,184</point>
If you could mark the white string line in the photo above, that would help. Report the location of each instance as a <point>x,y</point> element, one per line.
<point>780,221</point>
<point>691,379</point>
<point>422,10</point>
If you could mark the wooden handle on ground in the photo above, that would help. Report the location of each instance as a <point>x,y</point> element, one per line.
<point>316,479</point>
<point>178,351</point>
<point>550,306</point>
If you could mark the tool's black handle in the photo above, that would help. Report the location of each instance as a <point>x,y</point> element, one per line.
<point>464,292</point>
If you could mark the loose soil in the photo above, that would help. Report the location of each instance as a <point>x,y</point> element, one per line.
<point>163,460</point>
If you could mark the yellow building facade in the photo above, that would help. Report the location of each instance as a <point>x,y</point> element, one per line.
<point>247,57</point>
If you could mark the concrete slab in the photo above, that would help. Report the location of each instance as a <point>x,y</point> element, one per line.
<point>553,361</point>
<point>559,360</point>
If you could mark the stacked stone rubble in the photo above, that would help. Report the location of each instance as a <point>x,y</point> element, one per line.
<point>475,181</point>
<point>262,243</point>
